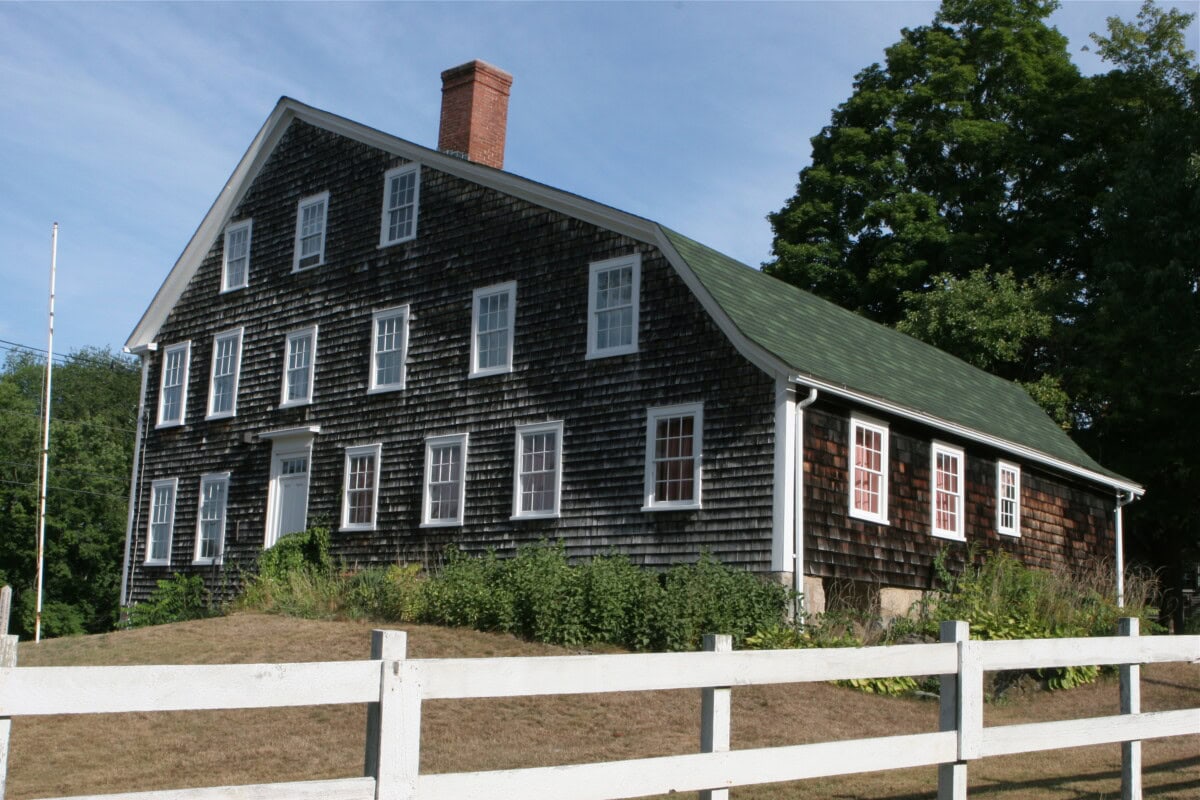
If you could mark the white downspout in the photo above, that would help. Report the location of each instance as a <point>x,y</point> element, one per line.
<point>798,505</point>
<point>1123,500</point>
<point>134,487</point>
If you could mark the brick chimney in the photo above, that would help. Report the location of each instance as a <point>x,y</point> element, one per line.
<point>475,113</point>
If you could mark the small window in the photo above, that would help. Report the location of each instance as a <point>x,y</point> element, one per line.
<point>401,196</point>
<point>947,469</point>
<point>445,483</point>
<point>492,315</point>
<point>1008,498</point>
<point>310,232</point>
<point>172,395</point>
<point>162,521</point>
<point>389,346</point>
<point>538,470</point>
<point>612,325</point>
<point>360,490</point>
<point>674,443</point>
<point>868,469</point>
<point>235,264</point>
<point>299,358</point>
<point>226,365</point>
<point>210,521</point>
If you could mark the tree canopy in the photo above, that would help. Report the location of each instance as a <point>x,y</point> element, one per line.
<point>978,192</point>
<point>93,416</point>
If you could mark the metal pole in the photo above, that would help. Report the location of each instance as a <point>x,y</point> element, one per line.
<point>41,521</point>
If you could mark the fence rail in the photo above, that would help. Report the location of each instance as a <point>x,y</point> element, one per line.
<point>394,688</point>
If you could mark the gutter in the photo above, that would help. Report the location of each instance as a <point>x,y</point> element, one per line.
<point>1123,499</point>
<point>143,352</point>
<point>798,506</point>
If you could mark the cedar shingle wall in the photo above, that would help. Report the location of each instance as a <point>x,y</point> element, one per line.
<point>1062,522</point>
<point>468,237</point>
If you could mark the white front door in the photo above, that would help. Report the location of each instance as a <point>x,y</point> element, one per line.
<point>287,495</point>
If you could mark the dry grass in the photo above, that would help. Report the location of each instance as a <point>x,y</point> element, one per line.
<point>53,756</point>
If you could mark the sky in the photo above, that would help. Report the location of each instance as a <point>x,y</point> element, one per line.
<point>122,121</point>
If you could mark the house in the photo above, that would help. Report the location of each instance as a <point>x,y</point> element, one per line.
<point>417,349</point>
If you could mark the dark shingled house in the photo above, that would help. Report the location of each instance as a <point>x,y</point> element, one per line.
<point>419,349</point>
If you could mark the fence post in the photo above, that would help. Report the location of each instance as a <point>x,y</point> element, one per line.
<point>5,610</point>
<point>952,778</point>
<point>8,658</point>
<point>388,721</point>
<point>715,715</point>
<point>1131,703</point>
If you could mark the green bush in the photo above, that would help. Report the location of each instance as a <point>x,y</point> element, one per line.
<point>391,594</point>
<point>539,595</point>
<point>305,550</point>
<point>176,600</point>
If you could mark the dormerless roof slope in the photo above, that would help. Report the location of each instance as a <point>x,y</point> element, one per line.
<point>782,329</point>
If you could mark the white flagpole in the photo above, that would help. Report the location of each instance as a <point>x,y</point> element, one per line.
<point>41,540</point>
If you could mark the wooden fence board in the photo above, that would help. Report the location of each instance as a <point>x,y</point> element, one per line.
<point>1005,740</point>
<point>688,773</point>
<point>95,690</point>
<point>1101,650</point>
<point>338,789</point>
<point>515,677</point>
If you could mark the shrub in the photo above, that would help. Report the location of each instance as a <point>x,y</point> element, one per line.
<point>539,595</point>
<point>392,594</point>
<point>176,600</point>
<point>297,551</point>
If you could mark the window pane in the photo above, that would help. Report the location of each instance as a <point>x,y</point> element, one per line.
<point>674,461</point>
<point>389,350</point>
<point>539,458</point>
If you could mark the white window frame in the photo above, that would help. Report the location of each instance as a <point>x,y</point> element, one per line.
<point>186,349</point>
<point>375,452</point>
<point>509,289</point>
<point>857,421</point>
<point>400,313</point>
<point>291,337</point>
<point>653,415</point>
<point>1014,529</point>
<point>173,483</point>
<point>231,229</point>
<point>235,334</point>
<point>433,443</point>
<point>216,478</point>
<point>556,428</point>
<point>957,453</point>
<point>385,240</point>
<point>634,261</point>
<point>304,203</point>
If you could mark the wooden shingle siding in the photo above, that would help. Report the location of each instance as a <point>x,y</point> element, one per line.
<point>1062,521</point>
<point>468,237</point>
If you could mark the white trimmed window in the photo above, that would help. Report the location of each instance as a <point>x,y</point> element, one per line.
<point>172,393</point>
<point>674,443</point>
<point>360,488</point>
<point>311,213</point>
<point>445,483</point>
<point>299,359</point>
<point>538,470</point>
<point>210,519</point>
<point>946,467</point>
<point>162,521</point>
<point>868,469</point>
<point>493,312</point>
<point>235,264</point>
<point>612,323</point>
<point>226,366</point>
<point>401,196</point>
<point>389,348</point>
<point>1008,498</point>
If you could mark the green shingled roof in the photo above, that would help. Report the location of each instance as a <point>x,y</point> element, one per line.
<point>823,341</point>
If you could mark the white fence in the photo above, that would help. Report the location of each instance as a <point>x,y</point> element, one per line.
<point>394,688</point>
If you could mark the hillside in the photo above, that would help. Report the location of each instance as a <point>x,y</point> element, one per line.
<point>53,756</point>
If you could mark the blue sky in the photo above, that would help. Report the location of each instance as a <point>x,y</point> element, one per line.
<point>123,121</point>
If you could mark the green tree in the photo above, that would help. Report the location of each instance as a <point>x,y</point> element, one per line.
<point>93,415</point>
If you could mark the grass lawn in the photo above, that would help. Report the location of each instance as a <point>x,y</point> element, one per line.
<point>70,755</point>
